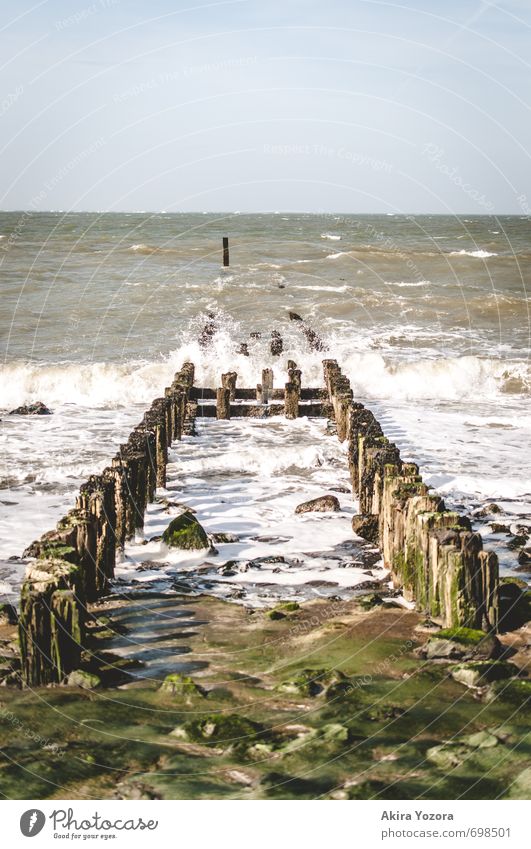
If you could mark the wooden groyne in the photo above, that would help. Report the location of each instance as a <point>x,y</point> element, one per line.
<point>432,552</point>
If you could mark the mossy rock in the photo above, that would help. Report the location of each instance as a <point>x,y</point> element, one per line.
<point>180,685</point>
<point>448,756</point>
<point>85,680</point>
<point>222,730</point>
<point>467,636</point>
<point>186,533</point>
<point>461,643</point>
<point>275,614</point>
<point>312,682</point>
<point>481,673</point>
<point>482,740</point>
<point>8,614</point>
<point>367,602</point>
<point>289,606</point>
<point>516,692</point>
<point>521,786</point>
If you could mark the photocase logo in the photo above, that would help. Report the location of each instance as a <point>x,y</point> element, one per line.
<point>32,822</point>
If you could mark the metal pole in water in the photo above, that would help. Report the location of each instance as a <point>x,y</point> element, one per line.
<point>225,250</point>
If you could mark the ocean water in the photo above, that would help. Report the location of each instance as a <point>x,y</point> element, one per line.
<point>428,316</point>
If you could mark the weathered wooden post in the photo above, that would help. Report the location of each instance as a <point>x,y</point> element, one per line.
<point>223,403</point>
<point>267,384</point>
<point>225,250</point>
<point>228,381</point>
<point>291,400</point>
<point>295,376</point>
<point>243,349</point>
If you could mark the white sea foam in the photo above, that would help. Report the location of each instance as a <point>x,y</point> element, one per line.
<point>115,385</point>
<point>408,284</point>
<point>477,254</point>
<point>331,237</point>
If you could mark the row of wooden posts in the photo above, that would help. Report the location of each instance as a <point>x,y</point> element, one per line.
<point>432,552</point>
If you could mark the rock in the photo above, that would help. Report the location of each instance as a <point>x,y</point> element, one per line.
<point>275,614</point>
<point>334,732</point>
<point>86,680</point>
<point>489,510</point>
<point>312,682</point>
<point>498,528</point>
<point>481,673</point>
<point>35,409</point>
<point>222,729</point>
<point>224,538</point>
<point>185,532</point>
<point>366,527</point>
<point>180,685</point>
<point>521,786</point>
<point>482,740</point>
<point>460,644</point>
<point>367,602</point>
<point>515,691</point>
<point>516,542</point>
<point>324,504</point>
<point>448,756</point>
<point>524,557</point>
<point>8,614</point>
<point>514,604</point>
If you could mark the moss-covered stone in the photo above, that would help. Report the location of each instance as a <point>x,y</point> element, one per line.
<point>81,678</point>
<point>222,730</point>
<point>313,682</point>
<point>515,691</point>
<point>185,532</point>
<point>481,673</point>
<point>180,685</point>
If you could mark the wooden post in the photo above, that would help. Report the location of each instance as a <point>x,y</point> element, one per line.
<point>291,364</point>
<point>228,381</point>
<point>259,394</point>
<point>223,403</point>
<point>243,349</point>
<point>225,250</point>
<point>295,377</point>
<point>267,384</point>
<point>291,400</point>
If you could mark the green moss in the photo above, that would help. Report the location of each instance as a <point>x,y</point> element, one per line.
<point>180,685</point>
<point>185,532</point>
<point>516,691</point>
<point>467,636</point>
<point>275,614</point>
<point>313,682</point>
<point>60,551</point>
<point>222,729</point>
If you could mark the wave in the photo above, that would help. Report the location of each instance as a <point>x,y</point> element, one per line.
<point>476,254</point>
<point>142,248</point>
<point>331,237</point>
<point>408,284</point>
<point>373,375</point>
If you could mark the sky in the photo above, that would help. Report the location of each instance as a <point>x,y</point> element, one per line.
<point>420,106</point>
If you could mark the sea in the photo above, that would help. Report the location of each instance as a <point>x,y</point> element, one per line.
<point>427,315</point>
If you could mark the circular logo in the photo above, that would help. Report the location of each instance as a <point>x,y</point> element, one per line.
<point>31,822</point>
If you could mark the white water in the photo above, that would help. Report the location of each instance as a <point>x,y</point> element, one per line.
<point>246,477</point>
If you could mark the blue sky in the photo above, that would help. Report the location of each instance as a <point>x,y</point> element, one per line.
<point>360,106</point>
